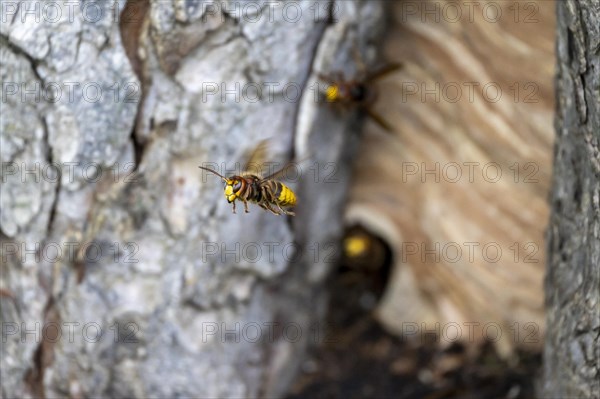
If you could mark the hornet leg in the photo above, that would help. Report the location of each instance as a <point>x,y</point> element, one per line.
<point>286,211</point>
<point>270,208</point>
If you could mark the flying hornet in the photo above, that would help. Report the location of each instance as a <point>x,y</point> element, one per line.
<point>358,92</point>
<point>267,192</point>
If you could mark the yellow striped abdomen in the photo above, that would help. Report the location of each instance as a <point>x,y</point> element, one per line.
<point>286,195</point>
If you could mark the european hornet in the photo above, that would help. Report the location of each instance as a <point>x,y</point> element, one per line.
<point>359,92</point>
<point>267,192</point>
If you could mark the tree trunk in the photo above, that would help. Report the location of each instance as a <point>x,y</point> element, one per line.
<point>573,278</point>
<point>155,288</point>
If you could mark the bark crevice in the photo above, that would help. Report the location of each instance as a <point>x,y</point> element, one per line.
<point>573,276</point>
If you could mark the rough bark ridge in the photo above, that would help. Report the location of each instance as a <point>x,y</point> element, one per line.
<point>157,286</point>
<point>573,278</point>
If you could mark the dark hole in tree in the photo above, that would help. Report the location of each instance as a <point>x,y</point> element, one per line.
<point>360,280</point>
<point>357,358</point>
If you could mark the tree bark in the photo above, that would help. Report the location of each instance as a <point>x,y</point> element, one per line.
<point>161,309</point>
<point>572,346</point>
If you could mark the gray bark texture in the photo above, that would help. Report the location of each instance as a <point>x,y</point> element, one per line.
<point>572,348</point>
<point>134,317</point>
